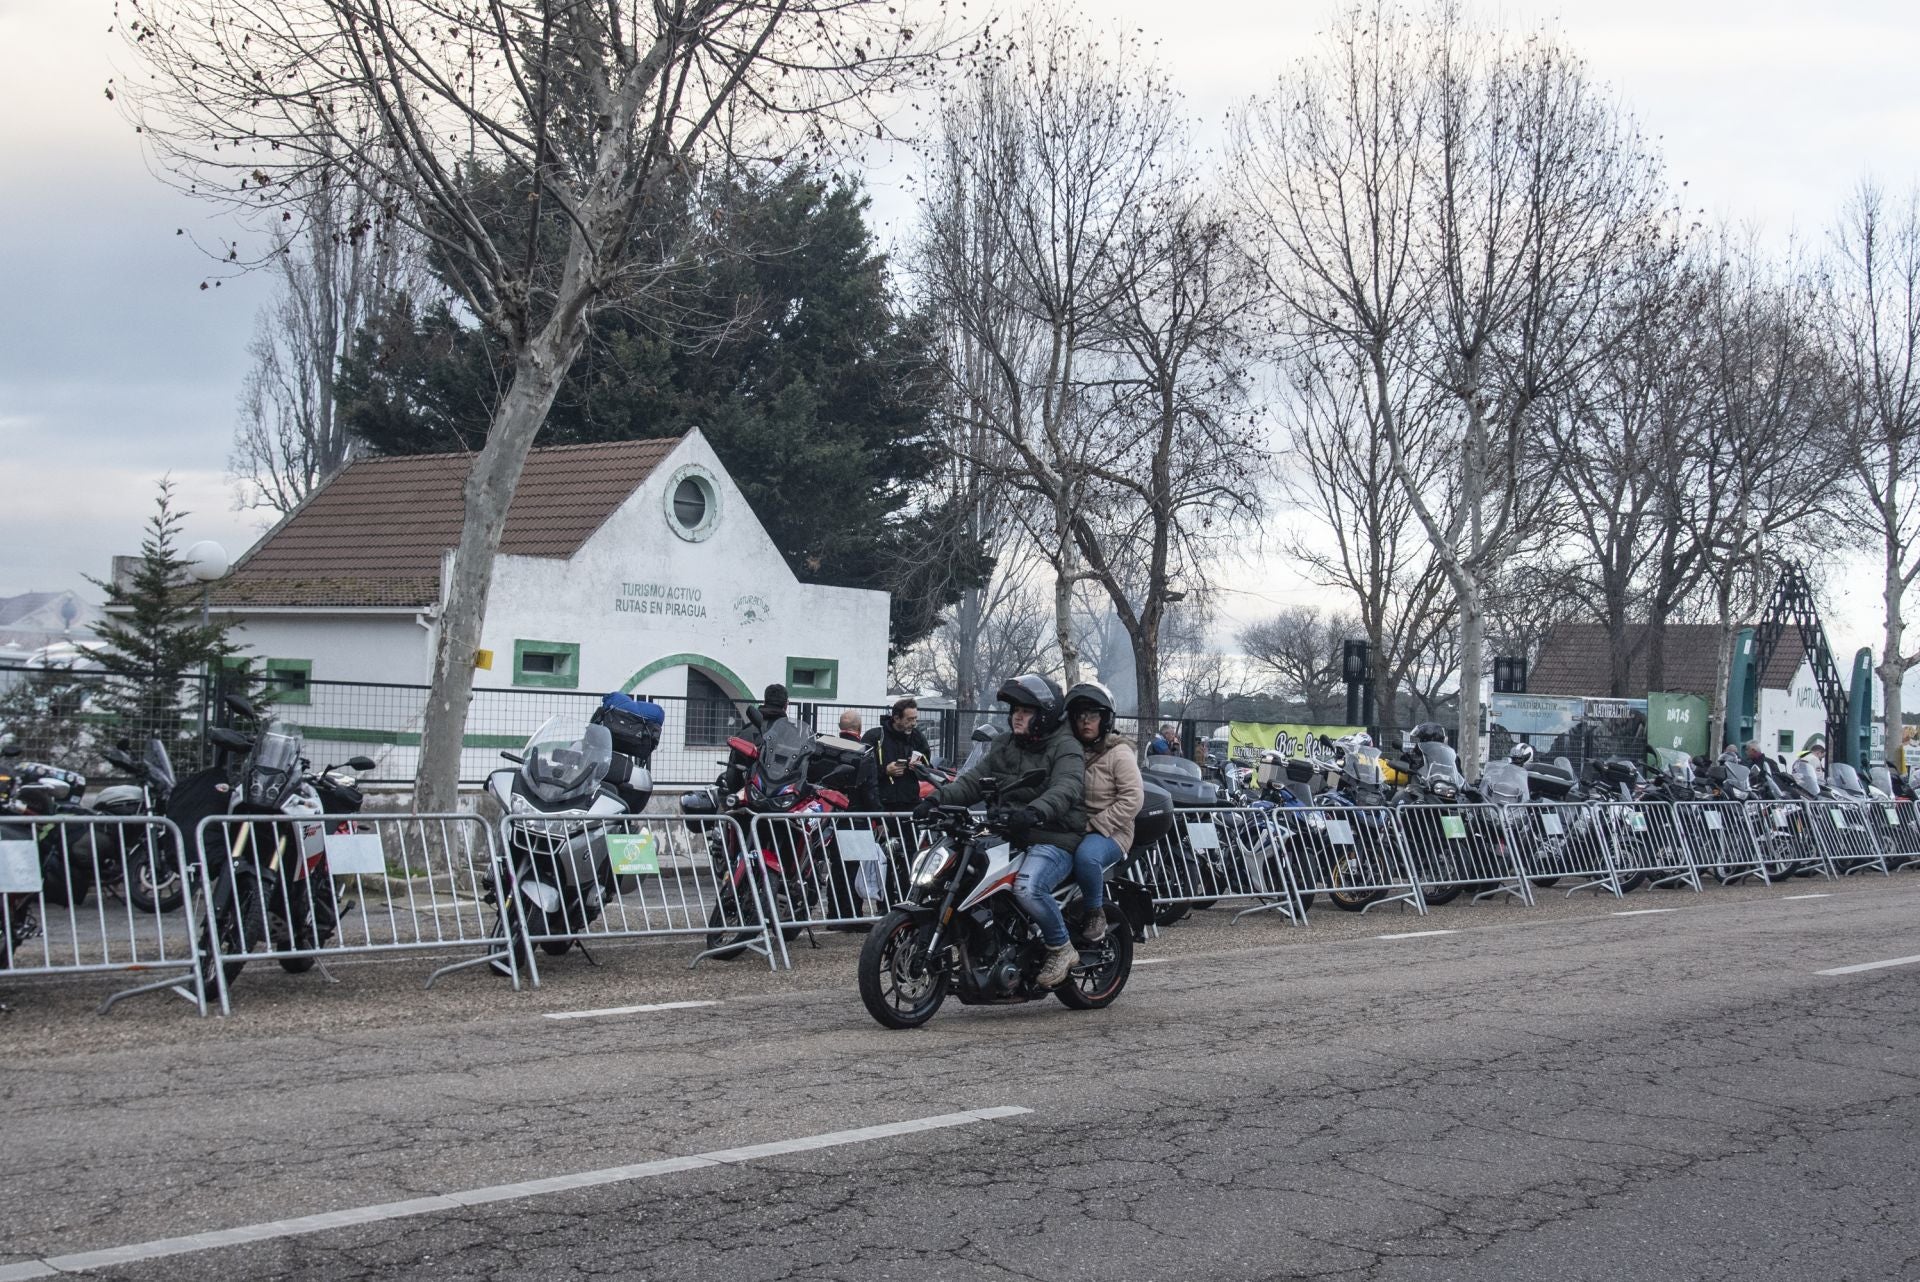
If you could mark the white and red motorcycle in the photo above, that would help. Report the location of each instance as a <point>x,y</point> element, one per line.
<point>959,931</point>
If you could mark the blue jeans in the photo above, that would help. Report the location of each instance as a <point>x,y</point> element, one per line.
<point>1097,853</point>
<point>1044,868</point>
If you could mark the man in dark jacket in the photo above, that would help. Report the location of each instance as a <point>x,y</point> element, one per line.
<point>896,741</point>
<point>1048,817</point>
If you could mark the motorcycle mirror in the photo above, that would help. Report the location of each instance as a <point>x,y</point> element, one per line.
<point>242,706</point>
<point>514,757</point>
<point>12,750</point>
<point>982,733</point>
<point>360,763</point>
<point>756,718</point>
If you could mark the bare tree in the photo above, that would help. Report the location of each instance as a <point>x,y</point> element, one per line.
<point>1027,245</point>
<point>996,632</point>
<point>1872,324</point>
<point>1361,538</point>
<point>536,146</point>
<point>1299,649</point>
<point>337,264</point>
<point>1460,207</point>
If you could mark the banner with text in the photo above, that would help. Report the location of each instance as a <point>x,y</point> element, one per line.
<point>1289,740</point>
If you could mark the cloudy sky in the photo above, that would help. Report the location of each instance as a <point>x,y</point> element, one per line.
<point>116,367</point>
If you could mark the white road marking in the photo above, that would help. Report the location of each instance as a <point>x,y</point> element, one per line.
<point>1824,894</point>
<point>1646,912</point>
<point>1153,961</point>
<point>1879,965</point>
<point>1418,934</point>
<point>624,1010</point>
<point>111,1257</point>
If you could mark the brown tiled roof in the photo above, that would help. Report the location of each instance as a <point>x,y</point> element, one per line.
<point>375,533</point>
<point>1574,659</point>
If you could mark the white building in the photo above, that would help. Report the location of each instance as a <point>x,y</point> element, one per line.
<point>634,566</point>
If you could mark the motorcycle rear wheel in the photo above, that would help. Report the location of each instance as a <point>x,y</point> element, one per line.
<point>1100,986</point>
<point>892,993</point>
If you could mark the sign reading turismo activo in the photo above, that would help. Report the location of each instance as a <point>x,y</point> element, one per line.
<point>671,600</point>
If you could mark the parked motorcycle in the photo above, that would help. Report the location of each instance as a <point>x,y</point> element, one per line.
<point>1434,783</point>
<point>559,870</point>
<point>960,931</point>
<point>145,862</point>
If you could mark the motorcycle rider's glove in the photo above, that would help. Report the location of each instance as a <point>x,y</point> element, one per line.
<point>1019,821</point>
<point>926,810</point>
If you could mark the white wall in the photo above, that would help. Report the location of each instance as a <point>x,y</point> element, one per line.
<point>730,598</point>
<point>366,647</point>
<point>1797,709</point>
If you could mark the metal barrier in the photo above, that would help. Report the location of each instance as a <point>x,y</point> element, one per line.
<point>1786,839</point>
<point>1460,848</point>
<point>1844,830</point>
<point>1554,840</point>
<point>1648,845</point>
<point>1355,855</point>
<point>1719,838</point>
<point>836,870</point>
<point>64,906</point>
<point>301,891</point>
<point>1237,854</point>
<point>1897,826</point>
<point>576,880</point>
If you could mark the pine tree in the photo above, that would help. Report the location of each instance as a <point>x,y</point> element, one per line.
<point>155,642</point>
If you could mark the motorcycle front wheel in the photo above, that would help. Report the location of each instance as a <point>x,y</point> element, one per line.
<point>898,986</point>
<point>154,884</point>
<point>733,924</point>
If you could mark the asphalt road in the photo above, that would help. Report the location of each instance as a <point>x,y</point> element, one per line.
<point>1558,1092</point>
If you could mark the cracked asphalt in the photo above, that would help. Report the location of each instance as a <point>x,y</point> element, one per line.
<point>1548,1092</point>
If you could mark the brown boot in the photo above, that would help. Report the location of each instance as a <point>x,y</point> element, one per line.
<point>1059,964</point>
<point>1096,928</point>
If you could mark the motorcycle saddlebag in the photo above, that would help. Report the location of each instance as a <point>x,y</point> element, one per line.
<point>1155,819</point>
<point>635,725</point>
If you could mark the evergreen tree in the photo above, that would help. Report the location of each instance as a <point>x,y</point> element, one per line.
<point>154,640</point>
<point>787,349</point>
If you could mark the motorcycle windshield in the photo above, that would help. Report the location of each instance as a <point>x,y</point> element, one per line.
<point>566,758</point>
<point>159,765</point>
<point>1505,784</point>
<point>1739,778</point>
<point>1681,769</point>
<point>784,750</point>
<point>1439,763</point>
<point>275,769</point>
<point>1845,779</point>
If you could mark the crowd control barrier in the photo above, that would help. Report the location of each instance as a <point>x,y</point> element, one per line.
<point>1649,846</point>
<point>583,881</point>
<point>836,870</point>
<point>65,910</point>
<point>301,891</point>
<point>1718,837</point>
<point>1555,842</point>
<point>1462,849</point>
<point>1231,854</point>
<point>1844,830</point>
<point>1897,825</point>
<point>1354,855</point>
<point>1788,840</point>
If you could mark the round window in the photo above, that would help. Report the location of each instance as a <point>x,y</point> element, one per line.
<point>693,503</point>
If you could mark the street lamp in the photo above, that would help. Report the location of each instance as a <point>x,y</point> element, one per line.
<point>207,564</point>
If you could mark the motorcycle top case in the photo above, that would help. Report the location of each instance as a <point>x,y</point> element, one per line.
<point>836,759</point>
<point>1155,819</point>
<point>635,725</point>
<point>1182,781</point>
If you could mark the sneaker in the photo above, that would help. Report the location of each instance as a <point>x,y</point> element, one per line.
<point>1096,928</point>
<point>1058,965</point>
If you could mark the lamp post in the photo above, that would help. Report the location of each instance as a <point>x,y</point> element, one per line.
<point>207,564</point>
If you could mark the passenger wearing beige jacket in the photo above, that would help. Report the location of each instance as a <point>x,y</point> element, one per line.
<point>1113,798</point>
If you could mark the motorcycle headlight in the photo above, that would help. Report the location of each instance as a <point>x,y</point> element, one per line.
<point>933,862</point>
<point>1443,790</point>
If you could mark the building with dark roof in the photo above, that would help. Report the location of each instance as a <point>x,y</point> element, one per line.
<point>631,565</point>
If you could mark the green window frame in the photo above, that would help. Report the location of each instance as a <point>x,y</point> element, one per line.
<point>1785,742</point>
<point>273,674</point>
<point>556,664</point>
<point>813,678</point>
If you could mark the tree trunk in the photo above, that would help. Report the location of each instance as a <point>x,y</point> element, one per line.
<point>1063,581</point>
<point>489,493</point>
<point>1657,611</point>
<point>1146,677</point>
<point>1893,668</point>
<point>1473,661</point>
<point>1620,678</point>
<point>1722,673</point>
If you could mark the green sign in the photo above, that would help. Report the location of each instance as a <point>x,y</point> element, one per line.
<point>633,852</point>
<point>1454,826</point>
<point>1677,723</point>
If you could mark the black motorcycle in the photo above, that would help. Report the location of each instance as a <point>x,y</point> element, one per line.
<point>959,931</point>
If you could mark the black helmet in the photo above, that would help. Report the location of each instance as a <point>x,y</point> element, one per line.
<point>1031,690</point>
<point>1092,694</point>
<point>1429,732</point>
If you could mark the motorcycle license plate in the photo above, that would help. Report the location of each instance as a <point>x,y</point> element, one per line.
<point>1454,827</point>
<point>1551,823</point>
<point>19,868</point>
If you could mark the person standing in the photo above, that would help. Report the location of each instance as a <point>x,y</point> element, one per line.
<point>898,745</point>
<point>850,726</point>
<point>1166,743</point>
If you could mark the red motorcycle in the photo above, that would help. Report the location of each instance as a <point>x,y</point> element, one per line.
<point>797,862</point>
